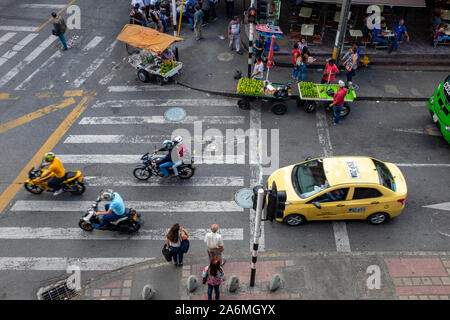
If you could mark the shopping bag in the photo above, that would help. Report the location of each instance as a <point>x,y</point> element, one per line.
<point>166,252</point>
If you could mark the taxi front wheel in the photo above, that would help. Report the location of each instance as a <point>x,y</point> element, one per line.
<point>377,218</point>
<point>294,220</point>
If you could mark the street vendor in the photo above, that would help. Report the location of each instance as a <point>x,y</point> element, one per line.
<point>168,55</point>
<point>338,101</point>
<point>258,71</point>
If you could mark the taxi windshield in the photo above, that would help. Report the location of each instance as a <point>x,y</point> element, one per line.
<point>385,175</point>
<point>309,178</point>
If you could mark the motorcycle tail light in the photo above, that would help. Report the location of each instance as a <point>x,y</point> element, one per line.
<point>135,217</point>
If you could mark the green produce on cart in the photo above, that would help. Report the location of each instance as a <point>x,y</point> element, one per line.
<point>308,89</point>
<point>250,87</point>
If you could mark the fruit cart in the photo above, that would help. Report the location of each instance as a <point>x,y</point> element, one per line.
<point>252,89</point>
<point>145,46</point>
<point>310,94</point>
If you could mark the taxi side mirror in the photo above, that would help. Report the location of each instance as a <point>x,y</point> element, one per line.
<point>317,204</point>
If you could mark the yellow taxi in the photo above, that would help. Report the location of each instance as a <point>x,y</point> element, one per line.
<point>339,188</point>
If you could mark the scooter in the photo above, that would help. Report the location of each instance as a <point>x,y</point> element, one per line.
<point>73,183</point>
<point>146,170</point>
<point>130,222</point>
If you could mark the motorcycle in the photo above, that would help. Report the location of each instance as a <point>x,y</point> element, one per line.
<point>130,222</point>
<point>146,170</point>
<point>73,183</point>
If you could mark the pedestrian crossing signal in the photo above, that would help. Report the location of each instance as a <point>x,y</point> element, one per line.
<point>255,196</point>
<point>276,203</point>
<point>251,17</point>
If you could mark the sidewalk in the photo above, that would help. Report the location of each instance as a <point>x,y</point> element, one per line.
<point>305,276</point>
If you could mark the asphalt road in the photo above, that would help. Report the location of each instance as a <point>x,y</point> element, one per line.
<point>47,238</point>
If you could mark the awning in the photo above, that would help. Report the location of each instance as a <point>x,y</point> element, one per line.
<point>146,38</point>
<point>394,3</point>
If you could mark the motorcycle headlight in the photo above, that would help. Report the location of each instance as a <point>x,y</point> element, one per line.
<point>447,128</point>
<point>432,99</point>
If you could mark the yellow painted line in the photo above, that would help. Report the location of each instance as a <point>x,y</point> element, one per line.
<point>6,96</point>
<point>49,20</point>
<point>46,95</point>
<point>16,185</point>
<point>36,114</point>
<point>73,93</point>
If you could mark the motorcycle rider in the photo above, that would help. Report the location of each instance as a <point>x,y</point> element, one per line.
<point>166,161</point>
<point>113,211</point>
<point>56,167</point>
<point>180,154</point>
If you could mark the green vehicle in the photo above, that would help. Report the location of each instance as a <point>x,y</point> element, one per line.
<point>439,106</point>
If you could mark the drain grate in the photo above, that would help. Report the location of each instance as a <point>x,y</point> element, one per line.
<point>59,291</point>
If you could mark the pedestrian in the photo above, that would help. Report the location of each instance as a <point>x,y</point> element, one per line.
<point>351,64</point>
<point>214,243</point>
<point>138,16</point>
<point>59,28</point>
<point>214,276</point>
<point>358,50</point>
<point>438,19</point>
<point>329,72</point>
<point>230,8</point>
<point>377,32</point>
<point>212,8</point>
<point>258,47</point>
<point>174,237</point>
<point>146,8</point>
<point>258,70</point>
<point>198,21</point>
<point>399,29</point>
<point>295,54</point>
<point>190,10</point>
<point>154,14</point>
<point>205,8</point>
<point>302,44</point>
<point>234,29</point>
<point>302,61</point>
<point>440,33</point>
<point>338,101</point>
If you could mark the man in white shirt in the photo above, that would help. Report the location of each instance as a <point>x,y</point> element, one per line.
<point>214,243</point>
<point>258,71</point>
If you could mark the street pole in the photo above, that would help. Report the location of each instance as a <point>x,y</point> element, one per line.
<point>259,207</point>
<point>181,15</point>
<point>174,18</point>
<point>250,42</point>
<point>340,34</point>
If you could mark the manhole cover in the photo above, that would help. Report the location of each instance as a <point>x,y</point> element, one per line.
<point>243,198</point>
<point>175,114</point>
<point>226,56</point>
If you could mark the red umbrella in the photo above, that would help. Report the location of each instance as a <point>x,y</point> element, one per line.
<point>270,62</point>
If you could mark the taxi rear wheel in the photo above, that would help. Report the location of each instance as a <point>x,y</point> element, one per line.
<point>378,218</point>
<point>294,220</point>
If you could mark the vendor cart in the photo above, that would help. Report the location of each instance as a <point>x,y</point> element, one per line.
<point>278,93</point>
<point>325,94</point>
<point>145,46</point>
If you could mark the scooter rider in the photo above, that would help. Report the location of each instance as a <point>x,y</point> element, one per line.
<point>55,167</point>
<point>167,159</point>
<point>113,211</point>
<point>181,152</point>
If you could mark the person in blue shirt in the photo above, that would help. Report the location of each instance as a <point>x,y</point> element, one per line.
<point>376,34</point>
<point>113,210</point>
<point>398,29</point>
<point>189,12</point>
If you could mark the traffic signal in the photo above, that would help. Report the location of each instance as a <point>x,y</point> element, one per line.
<point>251,16</point>
<point>276,203</point>
<point>255,196</point>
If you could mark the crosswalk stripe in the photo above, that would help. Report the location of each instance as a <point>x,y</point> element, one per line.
<point>17,48</point>
<point>42,6</point>
<point>140,206</point>
<point>120,138</point>
<point>165,103</point>
<point>93,43</point>
<point>17,28</point>
<point>96,181</point>
<point>161,120</point>
<point>6,37</point>
<point>33,55</point>
<point>135,159</point>
<point>93,66</point>
<point>26,233</point>
<point>146,88</point>
<point>61,263</point>
<point>49,62</point>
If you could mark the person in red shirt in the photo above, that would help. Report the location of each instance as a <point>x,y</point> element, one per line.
<point>338,101</point>
<point>295,54</point>
<point>330,71</point>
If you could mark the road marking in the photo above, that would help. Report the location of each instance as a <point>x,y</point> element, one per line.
<point>22,64</point>
<point>165,103</point>
<point>423,165</point>
<point>17,48</point>
<point>18,28</point>
<point>96,181</point>
<point>146,88</point>
<point>42,6</point>
<point>78,234</point>
<point>7,96</point>
<point>139,206</point>
<point>93,43</point>
<point>94,66</point>
<point>120,138</point>
<point>61,264</point>
<point>16,185</point>
<point>49,62</point>
<point>389,88</point>
<point>49,20</point>
<point>339,227</point>
<point>161,120</point>
<point>35,115</point>
<point>440,206</point>
<point>429,130</point>
<point>6,37</point>
<point>73,93</point>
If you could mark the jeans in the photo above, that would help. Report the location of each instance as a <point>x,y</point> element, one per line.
<point>144,24</point>
<point>177,254</point>
<point>301,72</point>
<point>230,8</point>
<point>163,167</point>
<point>212,8</point>
<point>236,38</point>
<point>295,71</point>
<point>394,44</point>
<point>63,40</point>
<point>191,22</point>
<point>175,167</point>
<point>216,290</point>
<point>337,113</point>
<point>205,16</point>
<point>350,74</point>
<point>108,218</point>
<point>383,41</point>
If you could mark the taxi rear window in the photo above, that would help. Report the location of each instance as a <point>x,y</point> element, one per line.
<point>309,178</point>
<point>385,175</point>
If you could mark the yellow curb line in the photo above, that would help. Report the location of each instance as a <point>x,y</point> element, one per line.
<point>49,94</point>
<point>73,93</point>
<point>16,185</point>
<point>6,96</point>
<point>48,21</point>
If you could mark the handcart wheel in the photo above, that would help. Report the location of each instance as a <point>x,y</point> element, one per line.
<point>244,104</point>
<point>300,102</point>
<point>345,110</point>
<point>143,75</point>
<point>279,108</point>
<point>310,106</point>
<point>159,81</point>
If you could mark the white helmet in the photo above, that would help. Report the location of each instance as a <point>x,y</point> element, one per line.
<point>107,194</point>
<point>168,144</point>
<point>178,139</point>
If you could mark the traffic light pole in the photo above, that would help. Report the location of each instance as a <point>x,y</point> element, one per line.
<point>340,34</point>
<point>258,217</point>
<point>250,43</point>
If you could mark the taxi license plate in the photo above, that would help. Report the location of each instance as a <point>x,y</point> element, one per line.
<point>435,118</point>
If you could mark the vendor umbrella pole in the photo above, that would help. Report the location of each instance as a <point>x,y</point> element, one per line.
<point>181,15</point>
<point>270,62</point>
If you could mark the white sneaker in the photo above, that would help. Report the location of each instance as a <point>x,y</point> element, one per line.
<point>58,192</point>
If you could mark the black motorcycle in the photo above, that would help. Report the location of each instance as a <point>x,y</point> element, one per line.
<point>145,170</point>
<point>130,222</point>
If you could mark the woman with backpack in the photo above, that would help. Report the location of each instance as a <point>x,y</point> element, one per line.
<point>214,276</point>
<point>174,237</point>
